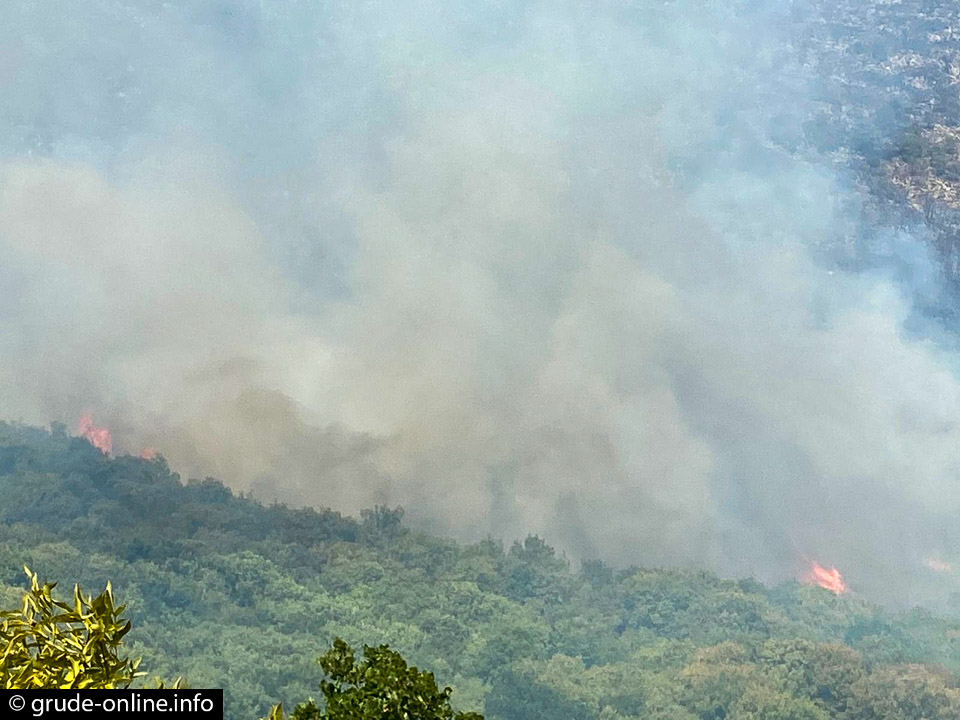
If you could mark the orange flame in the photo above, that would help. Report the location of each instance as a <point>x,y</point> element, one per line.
<point>938,565</point>
<point>98,437</point>
<point>830,579</point>
<point>148,453</point>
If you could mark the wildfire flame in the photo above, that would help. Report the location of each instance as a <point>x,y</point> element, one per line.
<point>938,565</point>
<point>99,437</point>
<point>830,579</point>
<point>148,453</point>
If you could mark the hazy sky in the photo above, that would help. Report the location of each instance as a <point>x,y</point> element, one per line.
<point>517,266</point>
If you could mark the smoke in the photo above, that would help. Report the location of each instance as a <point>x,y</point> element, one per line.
<point>519,267</point>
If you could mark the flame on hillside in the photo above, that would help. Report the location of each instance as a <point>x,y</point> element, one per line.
<point>99,437</point>
<point>148,453</point>
<point>829,579</point>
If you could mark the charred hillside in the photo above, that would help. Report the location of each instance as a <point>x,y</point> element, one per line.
<point>887,106</point>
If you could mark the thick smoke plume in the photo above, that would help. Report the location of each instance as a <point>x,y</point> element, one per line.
<point>516,266</point>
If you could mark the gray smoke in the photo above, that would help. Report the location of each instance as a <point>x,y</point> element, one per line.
<point>516,266</point>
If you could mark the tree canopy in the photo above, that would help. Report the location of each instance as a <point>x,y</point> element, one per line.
<point>235,594</point>
<point>380,686</point>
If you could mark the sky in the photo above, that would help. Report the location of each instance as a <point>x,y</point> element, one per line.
<point>519,267</point>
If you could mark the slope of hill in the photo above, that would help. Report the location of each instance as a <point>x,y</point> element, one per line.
<point>888,77</point>
<point>244,596</point>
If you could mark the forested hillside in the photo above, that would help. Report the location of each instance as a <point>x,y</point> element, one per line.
<point>235,594</point>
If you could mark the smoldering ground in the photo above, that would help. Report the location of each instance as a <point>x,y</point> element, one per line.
<point>518,267</point>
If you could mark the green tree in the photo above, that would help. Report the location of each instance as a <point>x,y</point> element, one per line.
<point>47,643</point>
<point>907,691</point>
<point>381,686</point>
<point>517,695</point>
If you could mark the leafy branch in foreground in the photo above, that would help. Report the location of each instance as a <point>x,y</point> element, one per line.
<point>51,644</point>
<point>381,686</point>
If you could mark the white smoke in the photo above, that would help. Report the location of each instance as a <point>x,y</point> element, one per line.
<point>518,267</point>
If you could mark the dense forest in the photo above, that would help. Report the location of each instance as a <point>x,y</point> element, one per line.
<point>232,593</point>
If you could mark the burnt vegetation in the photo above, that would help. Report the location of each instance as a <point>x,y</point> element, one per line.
<point>887,109</point>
